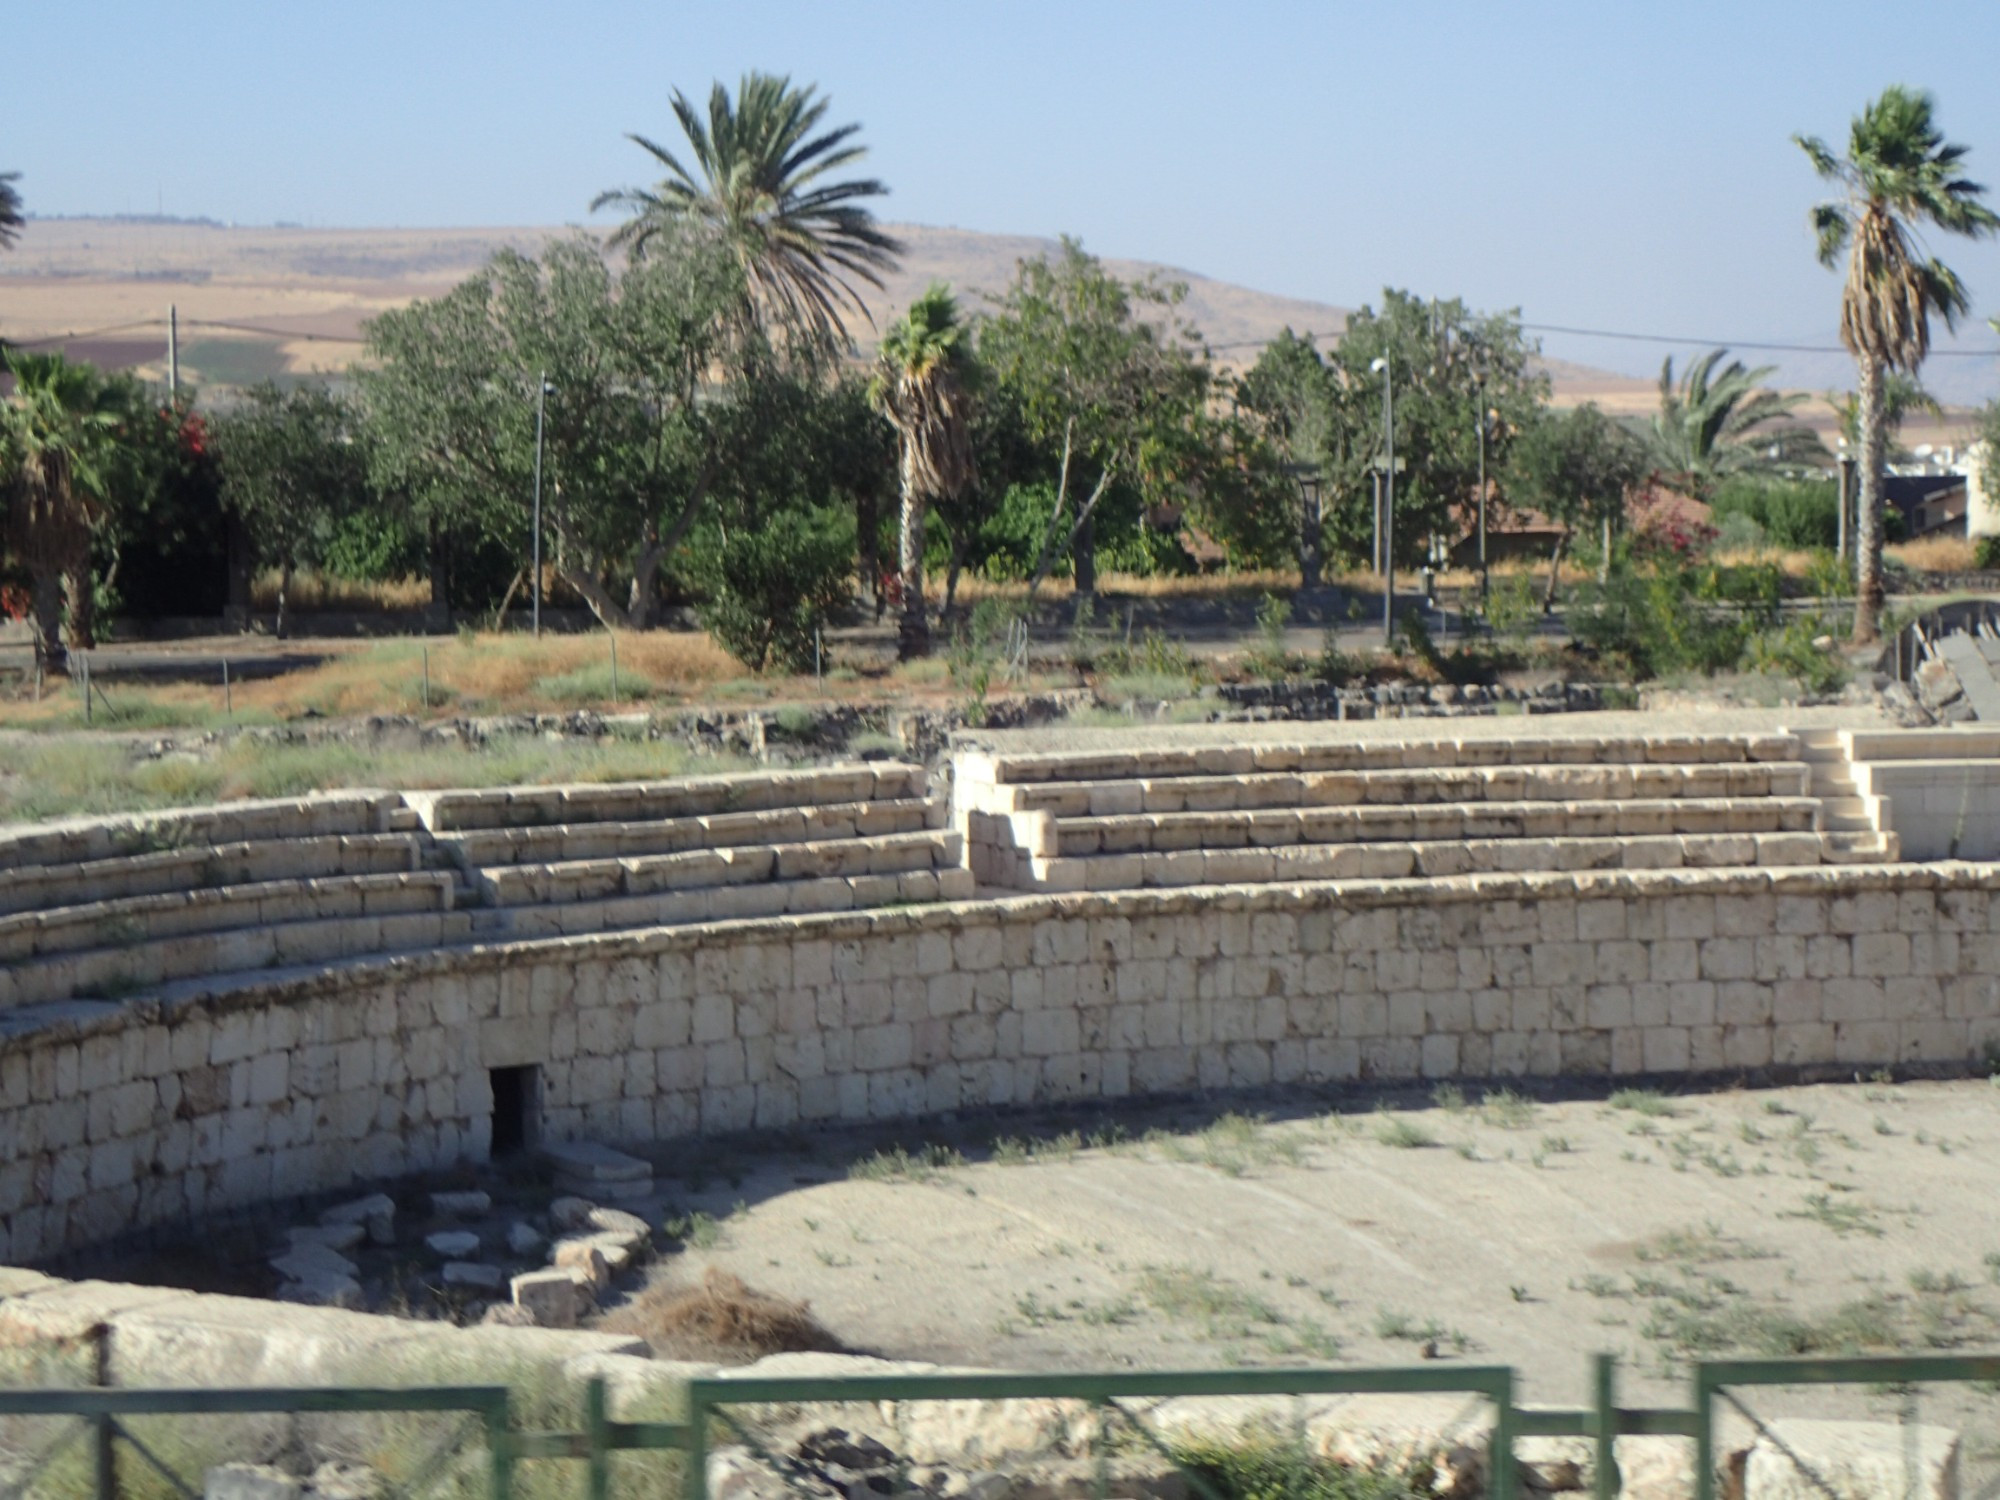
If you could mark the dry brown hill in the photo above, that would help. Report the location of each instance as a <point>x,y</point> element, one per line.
<point>257,301</point>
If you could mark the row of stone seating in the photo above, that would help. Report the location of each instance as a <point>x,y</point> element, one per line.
<point>105,907</point>
<point>1389,809</point>
<point>584,859</point>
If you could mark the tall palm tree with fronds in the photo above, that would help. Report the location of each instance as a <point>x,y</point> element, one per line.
<point>761,181</point>
<point>1899,174</point>
<point>1714,424</point>
<point>923,385</point>
<point>1902,397</point>
<point>11,219</point>
<point>55,429</point>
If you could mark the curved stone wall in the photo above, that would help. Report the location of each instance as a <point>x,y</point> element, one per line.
<point>122,1113</point>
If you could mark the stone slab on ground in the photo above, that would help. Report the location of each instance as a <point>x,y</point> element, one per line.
<point>475,1275</point>
<point>587,1161</point>
<point>452,1244</point>
<point>1802,1458</point>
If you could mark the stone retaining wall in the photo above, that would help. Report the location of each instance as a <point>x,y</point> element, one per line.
<point>216,1094</point>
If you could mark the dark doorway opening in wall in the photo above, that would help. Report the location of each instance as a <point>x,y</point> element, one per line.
<point>517,1097</point>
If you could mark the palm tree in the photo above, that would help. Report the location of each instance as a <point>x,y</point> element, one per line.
<point>1713,425</point>
<point>1899,173</point>
<point>1902,396</point>
<point>53,431</point>
<point>10,210</point>
<point>759,184</point>
<point>922,385</point>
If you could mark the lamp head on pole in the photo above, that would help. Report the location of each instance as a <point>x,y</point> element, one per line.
<point>1379,366</point>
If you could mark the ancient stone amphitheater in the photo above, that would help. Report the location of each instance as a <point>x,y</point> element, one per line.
<point>212,1008</point>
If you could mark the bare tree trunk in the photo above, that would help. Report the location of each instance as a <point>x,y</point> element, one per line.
<point>1555,571</point>
<point>82,604</point>
<point>1604,562</point>
<point>914,636</point>
<point>1083,554</point>
<point>45,616</point>
<point>868,547</point>
<point>284,597</point>
<point>1049,547</point>
<point>645,568</point>
<point>595,595</point>
<point>1868,591</point>
<point>436,553</point>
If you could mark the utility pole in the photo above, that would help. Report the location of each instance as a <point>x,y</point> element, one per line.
<point>1479,396</point>
<point>541,402</point>
<point>1381,367</point>
<point>173,351</point>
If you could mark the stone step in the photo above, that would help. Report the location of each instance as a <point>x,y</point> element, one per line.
<point>74,840</point>
<point>1420,859</point>
<point>598,879</point>
<point>557,842</point>
<point>1846,815</point>
<point>1869,848</point>
<point>1070,799</point>
<point>990,769</point>
<point>769,898</point>
<point>1268,827</point>
<point>41,887</point>
<point>116,972</point>
<point>140,921</point>
<point>694,796</point>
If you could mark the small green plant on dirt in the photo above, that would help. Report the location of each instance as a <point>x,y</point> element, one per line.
<point>898,1164</point>
<point>1646,1102</point>
<point>1402,1134</point>
<point>1269,1468</point>
<point>1393,1324</point>
<point>1507,1110</point>
<point>978,655</point>
<point>1269,657</point>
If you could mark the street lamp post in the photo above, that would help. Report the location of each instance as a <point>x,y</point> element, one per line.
<point>542,389</point>
<point>1479,397</point>
<point>1381,367</point>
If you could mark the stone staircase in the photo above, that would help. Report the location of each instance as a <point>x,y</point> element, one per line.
<point>1851,821</point>
<point>101,908</point>
<point>1408,809</point>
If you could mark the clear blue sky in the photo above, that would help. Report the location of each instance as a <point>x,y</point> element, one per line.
<point>1612,164</point>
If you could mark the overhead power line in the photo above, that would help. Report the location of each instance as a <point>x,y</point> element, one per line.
<point>1662,338</point>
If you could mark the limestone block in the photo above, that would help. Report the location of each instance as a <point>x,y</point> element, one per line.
<point>336,1237</point>
<point>586,1258</point>
<point>1808,1459</point>
<point>452,1244</point>
<point>461,1205</point>
<point>554,1298</point>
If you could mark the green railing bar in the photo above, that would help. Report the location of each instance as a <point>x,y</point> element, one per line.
<point>647,1434</point>
<point>1604,1425</point>
<point>599,1454</point>
<point>94,1401</point>
<point>1887,1369</point>
<point>1630,1421</point>
<point>1486,1380</point>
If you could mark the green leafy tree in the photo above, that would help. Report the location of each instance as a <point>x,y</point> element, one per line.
<point>923,385</point>
<point>11,219</point>
<point>1898,175</point>
<point>1576,467</point>
<point>1452,369</point>
<point>1105,374</point>
<point>761,184</point>
<point>640,415</point>
<point>57,435</point>
<point>1302,407</point>
<point>769,588</point>
<point>1714,424</point>
<point>291,468</point>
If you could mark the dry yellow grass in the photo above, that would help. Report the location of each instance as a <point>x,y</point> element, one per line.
<point>1935,554</point>
<point>314,591</point>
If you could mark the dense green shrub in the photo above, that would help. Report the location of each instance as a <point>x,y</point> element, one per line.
<point>1986,552</point>
<point>770,586</point>
<point>1267,1468</point>
<point>1789,513</point>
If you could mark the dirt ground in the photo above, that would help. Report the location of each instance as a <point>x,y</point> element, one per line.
<point>1495,1227</point>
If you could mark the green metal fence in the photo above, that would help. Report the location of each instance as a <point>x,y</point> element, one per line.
<point>710,1404</point>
